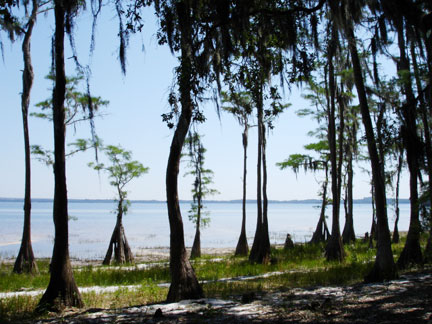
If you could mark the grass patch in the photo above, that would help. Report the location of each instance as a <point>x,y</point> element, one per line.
<point>147,293</point>
<point>19,309</point>
<point>84,277</point>
<point>303,266</point>
<point>99,276</point>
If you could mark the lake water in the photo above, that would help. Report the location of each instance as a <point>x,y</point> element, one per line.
<point>146,225</point>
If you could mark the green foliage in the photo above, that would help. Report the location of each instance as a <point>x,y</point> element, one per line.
<point>42,155</point>
<point>121,170</point>
<point>203,178</point>
<point>80,145</point>
<point>76,103</point>
<point>295,162</point>
<point>76,107</point>
<point>241,106</point>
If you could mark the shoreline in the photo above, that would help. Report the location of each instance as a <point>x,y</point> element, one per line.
<point>143,255</point>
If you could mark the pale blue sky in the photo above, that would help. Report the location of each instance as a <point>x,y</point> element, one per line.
<point>133,120</point>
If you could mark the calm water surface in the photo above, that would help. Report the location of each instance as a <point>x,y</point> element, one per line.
<point>146,225</point>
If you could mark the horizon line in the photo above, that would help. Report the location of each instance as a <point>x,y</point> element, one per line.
<point>310,200</point>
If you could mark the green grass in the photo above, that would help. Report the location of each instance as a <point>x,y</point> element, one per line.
<point>303,266</point>
<point>85,277</point>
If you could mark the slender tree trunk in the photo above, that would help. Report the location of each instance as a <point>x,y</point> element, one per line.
<point>196,246</point>
<point>384,267</point>
<point>373,231</point>
<point>62,290</point>
<point>348,234</point>
<point>322,233</point>
<point>25,261</point>
<point>184,284</point>
<point>396,238</point>
<point>428,146</point>
<point>265,250</point>
<point>334,248</point>
<point>242,245</point>
<point>260,252</point>
<point>118,242</point>
<point>254,254</point>
<point>428,97</point>
<point>412,251</point>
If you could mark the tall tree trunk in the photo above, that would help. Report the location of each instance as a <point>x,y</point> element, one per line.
<point>427,135</point>
<point>254,254</point>
<point>242,244</point>
<point>25,261</point>
<point>260,252</point>
<point>321,233</point>
<point>427,38</point>
<point>62,290</point>
<point>264,249</point>
<point>334,248</point>
<point>384,267</point>
<point>118,242</point>
<point>184,284</point>
<point>348,234</point>
<point>412,251</point>
<point>395,238</point>
<point>373,230</point>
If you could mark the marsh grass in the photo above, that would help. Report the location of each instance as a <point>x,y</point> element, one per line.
<point>303,266</point>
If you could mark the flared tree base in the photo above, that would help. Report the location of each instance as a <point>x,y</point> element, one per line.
<point>196,247</point>
<point>321,233</point>
<point>348,235</point>
<point>25,261</point>
<point>242,248</point>
<point>262,254</point>
<point>120,246</point>
<point>411,255</point>
<point>381,273</point>
<point>62,293</point>
<point>184,284</point>
<point>334,250</point>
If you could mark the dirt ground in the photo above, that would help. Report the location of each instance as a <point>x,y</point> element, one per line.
<point>406,300</point>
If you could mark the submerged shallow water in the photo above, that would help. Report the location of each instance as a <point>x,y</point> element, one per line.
<point>146,225</point>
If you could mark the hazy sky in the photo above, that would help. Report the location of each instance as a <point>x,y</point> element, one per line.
<point>133,120</point>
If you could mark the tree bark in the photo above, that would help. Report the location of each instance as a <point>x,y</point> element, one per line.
<point>184,284</point>
<point>427,136</point>
<point>260,252</point>
<point>396,238</point>
<point>265,249</point>
<point>334,248</point>
<point>348,234</point>
<point>384,267</point>
<point>321,233</point>
<point>118,242</point>
<point>253,256</point>
<point>242,248</point>
<point>25,261</point>
<point>411,254</point>
<point>196,246</point>
<point>62,290</point>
